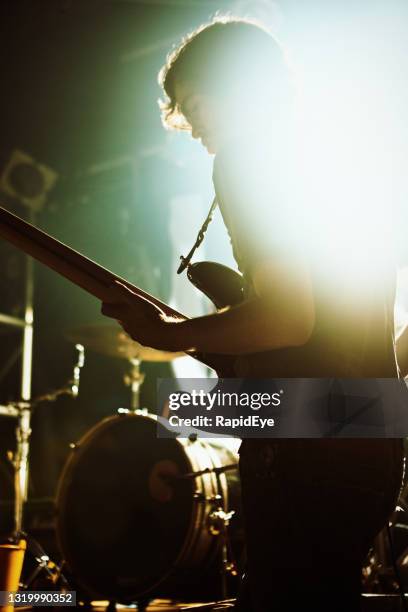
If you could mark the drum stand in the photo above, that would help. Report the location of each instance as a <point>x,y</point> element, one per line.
<point>134,379</point>
<point>19,459</point>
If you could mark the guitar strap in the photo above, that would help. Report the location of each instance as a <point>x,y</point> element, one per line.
<point>185,261</point>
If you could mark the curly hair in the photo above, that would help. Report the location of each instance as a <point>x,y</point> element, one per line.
<point>228,57</point>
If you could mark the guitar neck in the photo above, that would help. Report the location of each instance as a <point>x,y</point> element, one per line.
<point>67,262</point>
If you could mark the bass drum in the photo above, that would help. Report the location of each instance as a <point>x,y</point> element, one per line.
<point>129,524</point>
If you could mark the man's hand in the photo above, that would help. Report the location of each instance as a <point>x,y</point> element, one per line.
<point>142,320</point>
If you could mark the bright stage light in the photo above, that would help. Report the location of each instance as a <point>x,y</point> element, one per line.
<point>346,198</point>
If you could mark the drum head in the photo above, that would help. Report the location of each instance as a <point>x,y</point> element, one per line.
<point>123,516</point>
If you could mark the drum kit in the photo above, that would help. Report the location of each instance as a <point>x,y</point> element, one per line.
<point>136,516</point>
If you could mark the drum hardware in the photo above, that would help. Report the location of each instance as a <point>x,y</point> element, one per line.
<point>218,521</point>
<point>218,518</point>
<point>134,379</point>
<point>214,606</point>
<point>19,459</point>
<point>199,497</point>
<point>214,470</point>
<point>45,567</point>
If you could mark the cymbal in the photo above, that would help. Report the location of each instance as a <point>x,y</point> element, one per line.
<point>111,341</point>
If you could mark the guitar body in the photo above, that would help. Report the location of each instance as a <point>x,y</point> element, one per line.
<point>223,286</point>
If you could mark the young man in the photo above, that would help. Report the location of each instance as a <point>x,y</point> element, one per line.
<point>312,507</point>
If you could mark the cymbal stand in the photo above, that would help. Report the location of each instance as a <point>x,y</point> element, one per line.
<point>134,379</point>
<point>22,411</point>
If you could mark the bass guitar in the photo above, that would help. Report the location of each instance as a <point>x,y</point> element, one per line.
<point>221,284</point>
